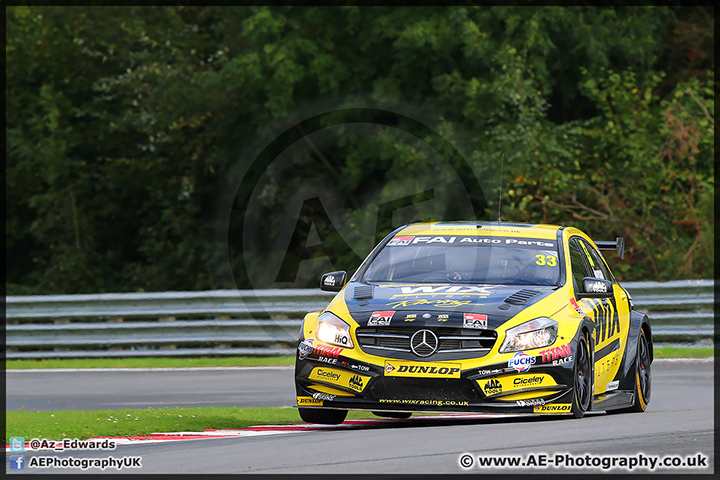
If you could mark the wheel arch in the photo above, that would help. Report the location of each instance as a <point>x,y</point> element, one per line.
<point>639,325</point>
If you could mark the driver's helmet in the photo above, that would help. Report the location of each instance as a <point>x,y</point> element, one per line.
<point>511,259</point>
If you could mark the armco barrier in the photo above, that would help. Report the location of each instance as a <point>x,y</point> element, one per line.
<point>252,322</point>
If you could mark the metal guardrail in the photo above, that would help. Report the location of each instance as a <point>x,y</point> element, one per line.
<point>252,322</point>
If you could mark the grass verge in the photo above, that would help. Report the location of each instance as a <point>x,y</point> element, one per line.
<point>161,362</point>
<point>680,352</point>
<point>58,425</point>
<point>288,360</point>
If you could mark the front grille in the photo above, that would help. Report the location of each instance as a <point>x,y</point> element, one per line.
<point>398,388</point>
<point>451,340</point>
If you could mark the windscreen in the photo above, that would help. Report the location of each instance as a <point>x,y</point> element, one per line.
<point>465,259</point>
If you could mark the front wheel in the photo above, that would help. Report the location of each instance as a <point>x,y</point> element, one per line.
<point>582,373</point>
<point>326,417</point>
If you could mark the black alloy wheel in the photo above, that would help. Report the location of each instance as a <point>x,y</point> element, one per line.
<point>583,375</point>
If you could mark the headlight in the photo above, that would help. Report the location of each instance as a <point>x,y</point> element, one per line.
<point>536,333</point>
<point>333,330</point>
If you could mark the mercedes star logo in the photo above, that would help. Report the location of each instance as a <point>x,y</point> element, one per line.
<point>424,343</point>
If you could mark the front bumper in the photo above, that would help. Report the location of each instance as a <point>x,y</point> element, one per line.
<point>479,385</point>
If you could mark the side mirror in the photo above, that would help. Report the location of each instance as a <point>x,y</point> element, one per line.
<point>595,288</point>
<point>333,281</point>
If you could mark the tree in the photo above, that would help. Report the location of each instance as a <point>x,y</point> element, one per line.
<point>128,127</point>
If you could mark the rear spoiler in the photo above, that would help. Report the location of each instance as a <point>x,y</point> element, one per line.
<point>618,245</point>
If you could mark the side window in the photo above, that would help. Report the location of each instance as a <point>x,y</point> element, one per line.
<point>597,266</point>
<point>597,257</point>
<point>577,263</point>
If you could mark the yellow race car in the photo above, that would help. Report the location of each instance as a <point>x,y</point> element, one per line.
<point>476,317</point>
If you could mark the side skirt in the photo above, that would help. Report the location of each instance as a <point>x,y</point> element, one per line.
<point>613,400</point>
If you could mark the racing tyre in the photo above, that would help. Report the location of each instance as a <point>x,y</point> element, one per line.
<point>642,378</point>
<point>327,417</point>
<point>393,414</point>
<point>582,373</point>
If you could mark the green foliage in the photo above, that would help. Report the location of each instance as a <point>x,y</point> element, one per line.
<point>127,127</point>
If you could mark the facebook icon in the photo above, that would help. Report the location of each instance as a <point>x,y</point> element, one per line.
<point>17,462</point>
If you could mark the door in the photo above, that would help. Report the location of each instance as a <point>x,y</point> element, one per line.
<point>611,315</point>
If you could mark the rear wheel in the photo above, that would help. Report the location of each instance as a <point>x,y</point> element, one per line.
<point>327,417</point>
<point>582,373</point>
<point>642,378</point>
<point>393,414</point>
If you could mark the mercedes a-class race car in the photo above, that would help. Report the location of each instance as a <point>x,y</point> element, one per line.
<point>476,317</point>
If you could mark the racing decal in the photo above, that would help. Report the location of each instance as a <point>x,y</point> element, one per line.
<point>607,350</point>
<point>468,240</point>
<point>437,239</point>
<point>546,260</point>
<point>562,361</point>
<point>494,371</point>
<point>515,383</point>
<point>327,351</point>
<point>323,374</point>
<point>357,383</point>
<point>443,289</point>
<point>577,308</point>
<point>397,241</point>
<point>422,369</point>
<point>323,396</point>
<point>330,360</point>
<point>308,401</point>
<point>305,348</point>
<point>530,403</point>
<point>554,353</point>
<point>521,362</point>
<point>362,368</point>
<point>380,319</point>
<point>452,403</point>
<point>342,339</point>
<point>329,281</point>
<point>443,317</point>
<point>353,381</point>
<point>492,387</point>
<point>410,317</point>
<point>607,320</point>
<point>553,408</point>
<point>474,320</point>
<point>613,385</point>
<point>607,363</point>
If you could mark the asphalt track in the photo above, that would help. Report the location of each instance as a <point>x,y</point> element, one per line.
<point>679,421</point>
<point>155,388</point>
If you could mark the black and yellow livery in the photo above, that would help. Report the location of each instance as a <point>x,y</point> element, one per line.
<point>476,317</point>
